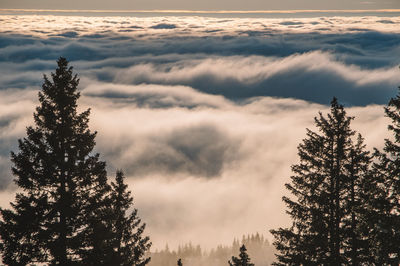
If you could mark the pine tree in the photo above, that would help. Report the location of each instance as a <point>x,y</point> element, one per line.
<point>179,262</point>
<point>357,245</point>
<point>326,203</point>
<point>129,246</point>
<point>242,260</point>
<point>384,208</point>
<point>58,217</point>
<point>377,215</point>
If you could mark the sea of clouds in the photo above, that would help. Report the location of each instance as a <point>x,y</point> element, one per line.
<point>203,114</point>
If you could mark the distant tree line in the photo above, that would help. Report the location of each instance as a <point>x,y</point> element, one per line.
<point>345,201</point>
<point>257,248</point>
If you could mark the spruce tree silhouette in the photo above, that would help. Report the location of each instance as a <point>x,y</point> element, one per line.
<point>328,197</point>
<point>129,245</point>
<point>242,260</point>
<point>179,262</point>
<point>384,209</point>
<point>59,217</point>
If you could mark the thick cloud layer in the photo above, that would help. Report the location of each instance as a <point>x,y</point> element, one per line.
<point>353,58</point>
<point>203,114</point>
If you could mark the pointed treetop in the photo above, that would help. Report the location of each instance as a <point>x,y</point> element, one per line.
<point>243,260</point>
<point>179,262</point>
<point>334,101</point>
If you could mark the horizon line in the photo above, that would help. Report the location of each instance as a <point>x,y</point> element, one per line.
<point>203,11</point>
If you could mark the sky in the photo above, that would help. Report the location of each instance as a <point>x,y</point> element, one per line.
<point>203,113</point>
<point>202,5</point>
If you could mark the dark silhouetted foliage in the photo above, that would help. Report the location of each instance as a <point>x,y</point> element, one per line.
<point>60,215</point>
<point>384,202</point>
<point>242,260</point>
<point>328,197</point>
<point>258,248</point>
<point>129,245</point>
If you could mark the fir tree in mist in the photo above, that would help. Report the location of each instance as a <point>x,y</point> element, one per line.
<point>328,195</point>
<point>130,246</point>
<point>179,262</point>
<point>242,260</point>
<point>61,213</point>
<point>384,201</point>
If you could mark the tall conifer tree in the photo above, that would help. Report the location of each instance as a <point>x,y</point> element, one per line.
<point>129,246</point>
<point>61,216</point>
<point>326,199</point>
<point>357,245</point>
<point>384,209</point>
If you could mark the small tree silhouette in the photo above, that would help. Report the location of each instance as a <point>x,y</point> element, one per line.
<point>179,262</point>
<point>242,260</point>
<point>129,245</point>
